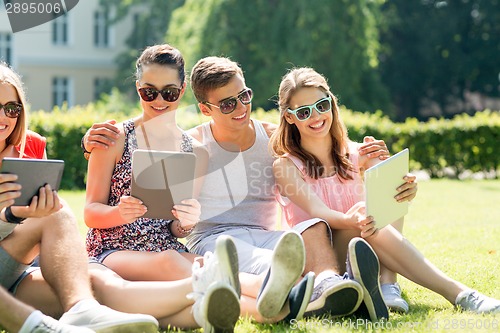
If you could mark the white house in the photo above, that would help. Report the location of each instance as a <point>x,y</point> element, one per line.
<point>68,59</point>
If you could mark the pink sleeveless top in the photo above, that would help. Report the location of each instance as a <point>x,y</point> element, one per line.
<point>337,193</point>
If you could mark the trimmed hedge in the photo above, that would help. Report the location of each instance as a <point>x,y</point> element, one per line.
<point>462,143</point>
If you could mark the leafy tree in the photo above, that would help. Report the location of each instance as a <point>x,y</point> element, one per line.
<point>434,51</point>
<point>339,38</point>
<point>151,20</point>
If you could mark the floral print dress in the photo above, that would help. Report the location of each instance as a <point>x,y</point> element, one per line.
<point>144,234</point>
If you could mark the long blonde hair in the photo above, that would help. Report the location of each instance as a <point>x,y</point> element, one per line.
<point>18,136</point>
<point>286,139</point>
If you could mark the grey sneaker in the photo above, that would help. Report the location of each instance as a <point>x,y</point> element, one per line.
<point>474,301</point>
<point>335,296</point>
<point>217,309</point>
<point>391,292</point>
<point>50,325</point>
<point>105,320</point>
<point>363,266</point>
<point>287,264</point>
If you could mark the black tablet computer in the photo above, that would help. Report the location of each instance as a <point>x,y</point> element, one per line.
<point>162,179</point>
<point>33,174</point>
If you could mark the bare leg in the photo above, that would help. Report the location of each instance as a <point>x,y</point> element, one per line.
<point>387,275</point>
<point>157,298</point>
<point>400,256</point>
<point>320,256</point>
<point>62,254</point>
<point>35,291</point>
<point>151,266</point>
<point>341,238</point>
<point>13,313</point>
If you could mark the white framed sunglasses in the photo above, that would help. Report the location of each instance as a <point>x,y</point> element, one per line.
<point>302,113</point>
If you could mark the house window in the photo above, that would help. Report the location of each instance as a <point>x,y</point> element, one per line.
<point>6,47</point>
<point>101,86</point>
<point>60,30</point>
<point>101,29</point>
<point>61,89</point>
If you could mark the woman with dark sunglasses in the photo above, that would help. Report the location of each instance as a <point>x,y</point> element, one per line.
<point>318,175</point>
<point>140,248</point>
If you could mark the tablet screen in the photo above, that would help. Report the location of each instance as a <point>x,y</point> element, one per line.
<point>161,179</point>
<point>381,182</point>
<point>33,174</point>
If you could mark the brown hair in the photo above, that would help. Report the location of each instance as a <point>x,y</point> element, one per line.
<point>286,139</point>
<point>211,73</point>
<point>162,54</point>
<point>18,136</point>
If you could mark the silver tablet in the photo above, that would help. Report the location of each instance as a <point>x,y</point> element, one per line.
<point>33,174</point>
<point>381,182</point>
<point>161,179</point>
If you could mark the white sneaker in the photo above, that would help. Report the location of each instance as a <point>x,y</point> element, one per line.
<point>50,325</point>
<point>102,319</point>
<point>222,265</point>
<point>391,292</point>
<point>217,309</point>
<point>474,301</point>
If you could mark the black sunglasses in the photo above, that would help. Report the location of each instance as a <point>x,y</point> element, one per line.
<point>168,94</point>
<point>12,109</point>
<point>229,104</point>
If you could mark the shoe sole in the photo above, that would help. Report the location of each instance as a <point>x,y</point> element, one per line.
<point>341,300</point>
<point>287,265</point>
<point>366,270</point>
<point>223,309</point>
<point>227,256</point>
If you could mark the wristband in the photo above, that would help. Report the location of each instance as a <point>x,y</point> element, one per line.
<point>183,231</point>
<point>11,218</point>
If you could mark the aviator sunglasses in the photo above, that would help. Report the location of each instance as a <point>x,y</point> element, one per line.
<point>168,94</point>
<point>229,104</point>
<point>304,112</point>
<point>12,109</point>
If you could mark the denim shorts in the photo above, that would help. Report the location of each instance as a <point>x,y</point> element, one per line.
<point>105,253</point>
<point>12,272</point>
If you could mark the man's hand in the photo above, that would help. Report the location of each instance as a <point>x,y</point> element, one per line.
<point>374,148</point>
<point>101,135</point>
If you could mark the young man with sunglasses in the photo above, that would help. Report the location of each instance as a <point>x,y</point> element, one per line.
<point>237,196</point>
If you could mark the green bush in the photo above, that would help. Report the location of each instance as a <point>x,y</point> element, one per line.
<point>462,143</point>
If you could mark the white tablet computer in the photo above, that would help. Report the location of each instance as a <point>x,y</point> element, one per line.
<point>381,182</point>
<point>33,174</point>
<point>161,179</point>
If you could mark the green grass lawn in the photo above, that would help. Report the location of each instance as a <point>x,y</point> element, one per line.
<point>456,225</point>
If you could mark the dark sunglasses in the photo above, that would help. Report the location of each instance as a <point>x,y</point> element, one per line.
<point>229,104</point>
<point>304,112</point>
<point>168,94</point>
<point>12,109</point>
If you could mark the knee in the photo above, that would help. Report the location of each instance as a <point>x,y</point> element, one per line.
<point>319,228</point>
<point>169,259</point>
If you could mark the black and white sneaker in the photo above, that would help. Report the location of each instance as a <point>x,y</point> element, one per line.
<point>299,297</point>
<point>363,266</point>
